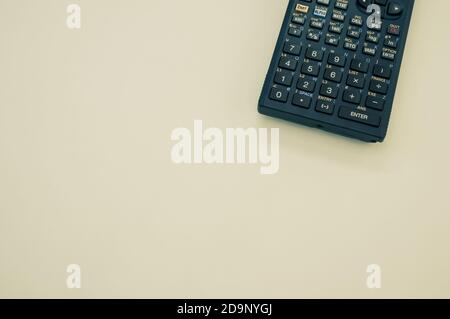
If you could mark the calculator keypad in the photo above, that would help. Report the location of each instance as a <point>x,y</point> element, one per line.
<point>335,67</point>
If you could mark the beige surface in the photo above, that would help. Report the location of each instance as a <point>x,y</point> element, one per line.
<point>86,175</point>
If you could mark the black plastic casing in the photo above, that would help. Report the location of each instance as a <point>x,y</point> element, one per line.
<point>333,123</point>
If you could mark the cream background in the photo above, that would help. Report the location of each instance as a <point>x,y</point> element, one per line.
<point>86,175</point>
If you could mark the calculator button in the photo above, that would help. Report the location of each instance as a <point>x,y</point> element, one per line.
<point>320,11</point>
<point>375,103</point>
<point>364,3</point>
<point>325,107</point>
<point>338,16</point>
<point>332,39</point>
<point>378,87</point>
<point>350,44</point>
<point>359,65</point>
<point>382,71</point>
<point>323,2</point>
<point>381,2</point>
<point>302,101</point>
<point>369,49</point>
<point>336,59</point>
<point>313,35</point>
<point>299,19</point>
<point>352,96</point>
<point>292,48</point>
<point>288,63</point>
<point>342,4</point>
<point>279,94</point>
<point>391,41</point>
<point>316,23</point>
<point>395,9</point>
<point>302,8</point>
<point>393,29</point>
<point>333,74</point>
<point>306,84</point>
<point>388,54</point>
<point>310,68</point>
<point>360,115</point>
<point>283,77</point>
<point>296,32</point>
<point>335,27</point>
<point>314,54</point>
<point>329,90</point>
<point>356,80</point>
<point>357,20</point>
<point>354,32</point>
<point>373,37</point>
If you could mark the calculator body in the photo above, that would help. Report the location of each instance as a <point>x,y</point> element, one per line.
<point>333,70</point>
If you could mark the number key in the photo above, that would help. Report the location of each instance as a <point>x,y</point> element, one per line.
<point>310,68</point>
<point>283,77</point>
<point>292,48</point>
<point>333,73</point>
<point>314,54</point>
<point>279,94</point>
<point>329,90</point>
<point>306,84</point>
<point>288,63</point>
<point>336,59</point>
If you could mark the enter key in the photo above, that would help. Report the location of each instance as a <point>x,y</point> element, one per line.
<point>360,114</point>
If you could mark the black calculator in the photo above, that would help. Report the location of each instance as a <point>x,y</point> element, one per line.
<point>336,65</point>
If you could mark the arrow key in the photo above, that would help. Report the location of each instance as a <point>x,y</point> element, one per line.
<point>395,9</point>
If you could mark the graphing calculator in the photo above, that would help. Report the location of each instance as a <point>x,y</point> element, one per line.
<point>336,65</point>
